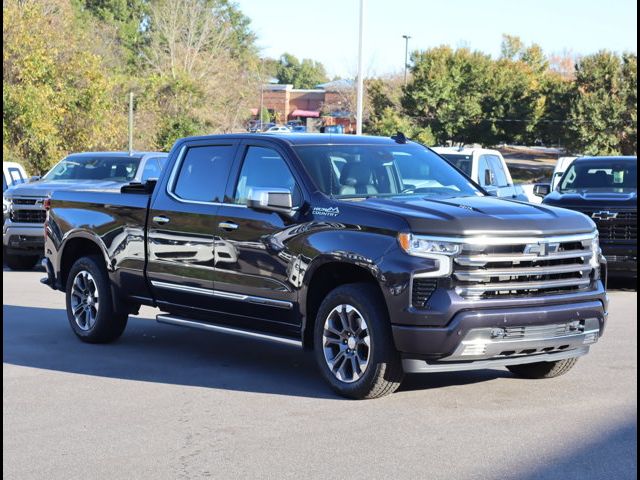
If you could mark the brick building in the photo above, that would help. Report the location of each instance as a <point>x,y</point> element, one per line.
<point>328,104</point>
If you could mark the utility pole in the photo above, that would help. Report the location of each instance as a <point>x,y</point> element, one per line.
<point>130,122</point>
<point>360,84</point>
<point>406,56</point>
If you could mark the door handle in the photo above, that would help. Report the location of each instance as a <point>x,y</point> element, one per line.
<point>228,226</point>
<point>161,219</point>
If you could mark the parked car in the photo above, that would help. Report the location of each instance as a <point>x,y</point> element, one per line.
<point>561,166</point>
<point>278,129</point>
<point>22,232</point>
<point>378,277</point>
<point>299,129</point>
<point>606,190</point>
<point>485,167</point>
<point>256,126</point>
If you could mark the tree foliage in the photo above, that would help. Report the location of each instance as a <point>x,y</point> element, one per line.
<point>301,74</point>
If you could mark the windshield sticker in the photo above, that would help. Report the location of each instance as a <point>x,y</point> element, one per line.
<point>326,211</point>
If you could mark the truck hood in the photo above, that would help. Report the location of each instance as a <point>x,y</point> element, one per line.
<point>43,188</point>
<point>481,216</point>
<point>585,200</point>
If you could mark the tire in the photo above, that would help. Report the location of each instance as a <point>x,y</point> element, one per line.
<point>19,262</point>
<point>95,320</point>
<point>382,372</point>
<point>543,369</point>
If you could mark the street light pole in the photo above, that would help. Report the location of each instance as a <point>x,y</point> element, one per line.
<point>406,56</point>
<point>360,84</point>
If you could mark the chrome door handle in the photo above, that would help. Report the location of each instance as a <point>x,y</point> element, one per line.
<point>228,226</point>
<point>161,219</point>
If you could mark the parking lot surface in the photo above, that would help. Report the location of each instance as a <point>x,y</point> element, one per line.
<point>165,402</point>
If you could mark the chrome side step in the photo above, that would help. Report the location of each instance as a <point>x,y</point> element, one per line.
<point>185,322</point>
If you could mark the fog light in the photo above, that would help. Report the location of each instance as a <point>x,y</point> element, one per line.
<point>474,349</point>
<point>591,337</point>
<point>498,333</point>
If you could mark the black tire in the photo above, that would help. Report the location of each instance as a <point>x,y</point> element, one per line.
<point>20,262</point>
<point>383,372</point>
<point>543,369</point>
<point>107,325</point>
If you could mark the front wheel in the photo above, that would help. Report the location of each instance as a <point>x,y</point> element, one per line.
<point>543,369</point>
<point>89,302</point>
<point>353,343</point>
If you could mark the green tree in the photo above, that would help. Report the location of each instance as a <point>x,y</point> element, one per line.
<point>57,97</point>
<point>301,74</point>
<point>603,115</point>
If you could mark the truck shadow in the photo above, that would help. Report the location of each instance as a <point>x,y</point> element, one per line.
<point>151,352</point>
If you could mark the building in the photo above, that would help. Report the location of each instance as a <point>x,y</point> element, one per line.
<point>327,104</point>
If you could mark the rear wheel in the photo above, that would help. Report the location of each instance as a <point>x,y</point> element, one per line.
<point>20,262</point>
<point>353,343</point>
<point>89,303</point>
<point>543,369</point>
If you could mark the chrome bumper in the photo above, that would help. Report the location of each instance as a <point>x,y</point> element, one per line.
<point>514,345</point>
<point>10,229</point>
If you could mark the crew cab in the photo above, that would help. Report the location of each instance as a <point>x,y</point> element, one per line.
<point>606,190</point>
<point>373,252</point>
<point>22,232</point>
<point>485,167</point>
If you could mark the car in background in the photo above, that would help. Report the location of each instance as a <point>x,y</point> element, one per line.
<point>561,167</point>
<point>606,190</point>
<point>12,174</point>
<point>278,129</point>
<point>22,231</point>
<point>485,167</point>
<point>299,129</point>
<point>256,126</point>
<point>294,123</point>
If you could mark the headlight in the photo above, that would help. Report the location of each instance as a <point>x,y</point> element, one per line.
<point>425,246</point>
<point>432,248</point>
<point>6,205</point>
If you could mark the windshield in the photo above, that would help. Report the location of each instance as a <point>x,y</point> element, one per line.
<point>608,175</point>
<point>461,162</point>
<point>117,169</point>
<point>352,171</point>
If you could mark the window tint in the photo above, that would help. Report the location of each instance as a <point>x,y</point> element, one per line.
<point>607,175</point>
<point>117,169</point>
<point>153,168</point>
<point>263,168</point>
<point>204,172</point>
<point>461,162</point>
<point>16,176</point>
<point>499,174</point>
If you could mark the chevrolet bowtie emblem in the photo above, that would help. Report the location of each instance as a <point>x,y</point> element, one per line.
<point>604,215</point>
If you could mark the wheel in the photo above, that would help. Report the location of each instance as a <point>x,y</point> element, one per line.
<point>89,303</point>
<point>353,343</point>
<point>20,262</point>
<point>543,369</point>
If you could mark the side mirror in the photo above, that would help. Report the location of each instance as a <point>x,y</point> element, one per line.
<point>493,191</point>
<point>277,200</point>
<point>541,189</point>
<point>487,177</point>
<point>34,178</point>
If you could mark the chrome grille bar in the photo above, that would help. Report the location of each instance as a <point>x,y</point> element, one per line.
<point>479,290</point>
<point>487,274</point>
<point>479,260</point>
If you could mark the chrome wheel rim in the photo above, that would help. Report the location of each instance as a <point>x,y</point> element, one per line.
<point>346,343</point>
<point>84,300</point>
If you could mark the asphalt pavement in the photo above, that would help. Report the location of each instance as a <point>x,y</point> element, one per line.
<point>167,402</point>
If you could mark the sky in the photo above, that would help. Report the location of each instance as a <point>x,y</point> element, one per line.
<point>327,30</point>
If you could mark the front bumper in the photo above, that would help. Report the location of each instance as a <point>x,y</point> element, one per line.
<point>21,238</point>
<point>467,338</point>
<point>622,259</point>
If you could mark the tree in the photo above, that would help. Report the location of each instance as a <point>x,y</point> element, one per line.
<point>603,118</point>
<point>301,74</point>
<point>195,53</point>
<point>57,97</point>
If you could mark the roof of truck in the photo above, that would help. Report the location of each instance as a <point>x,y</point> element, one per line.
<point>307,138</point>
<point>116,154</point>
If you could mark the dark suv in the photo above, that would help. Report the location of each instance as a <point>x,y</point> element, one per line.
<point>606,190</point>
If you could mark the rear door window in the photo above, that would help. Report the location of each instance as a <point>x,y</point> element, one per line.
<point>204,172</point>
<point>500,177</point>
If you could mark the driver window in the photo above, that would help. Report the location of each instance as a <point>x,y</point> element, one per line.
<point>263,168</point>
<point>485,173</point>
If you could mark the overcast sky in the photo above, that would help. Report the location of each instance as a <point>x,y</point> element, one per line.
<point>327,30</point>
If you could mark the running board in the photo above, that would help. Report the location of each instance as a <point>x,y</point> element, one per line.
<point>185,322</point>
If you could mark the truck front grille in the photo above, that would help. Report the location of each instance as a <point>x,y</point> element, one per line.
<point>522,268</point>
<point>28,216</point>
<point>623,227</point>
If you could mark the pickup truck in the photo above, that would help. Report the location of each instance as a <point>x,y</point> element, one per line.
<point>487,168</point>
<point>606,190</point>
<point>337,244</point>
<point>22,230</point>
